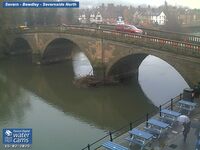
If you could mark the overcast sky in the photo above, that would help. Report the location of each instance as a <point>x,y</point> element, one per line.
<point>188,3</point>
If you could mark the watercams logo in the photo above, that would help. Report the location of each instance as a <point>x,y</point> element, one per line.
<point>8,133</point>
<point>17,138</point>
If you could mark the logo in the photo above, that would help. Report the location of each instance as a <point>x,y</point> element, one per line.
<point>17,137</point>
<point>8,133</point>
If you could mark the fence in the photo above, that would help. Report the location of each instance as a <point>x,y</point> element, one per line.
<point>112,135</point>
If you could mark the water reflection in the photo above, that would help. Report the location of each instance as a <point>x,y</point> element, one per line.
<point>13,101</point>
<point>96,106</point>
<point>44,98</point>
<point>160,81</point>
<point>81,65</point>
<point>56,108</point>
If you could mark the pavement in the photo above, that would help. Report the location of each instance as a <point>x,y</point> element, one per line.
<point>173,138</point>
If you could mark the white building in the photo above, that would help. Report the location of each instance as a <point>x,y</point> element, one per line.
<point>120,20</point>
<point>82,18</point>
<point>98,18</point>
<point>158,18</point>
<point>92,18</point>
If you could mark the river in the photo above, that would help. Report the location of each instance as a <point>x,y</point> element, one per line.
<point>63,116</point>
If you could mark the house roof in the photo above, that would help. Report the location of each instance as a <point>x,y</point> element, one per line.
<point>148,12</point>
<point>156,13</point>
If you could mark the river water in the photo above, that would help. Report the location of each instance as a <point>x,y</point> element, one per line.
<point>63,116</point>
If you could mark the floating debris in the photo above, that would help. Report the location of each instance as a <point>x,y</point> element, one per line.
<point>92,81</point>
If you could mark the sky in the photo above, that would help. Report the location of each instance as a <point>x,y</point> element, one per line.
<point>189,3</point>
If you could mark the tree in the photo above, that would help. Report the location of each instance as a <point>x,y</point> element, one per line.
<point>9,18</point>
<point>52,17</point>
<point>70,16</point>
<point>30,17</point>
<point>172,22</point>
<point>2,31</point>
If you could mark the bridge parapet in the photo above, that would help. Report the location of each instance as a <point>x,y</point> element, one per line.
<point>189,38</point>
<point>163,44</point>
<point>173,35</point>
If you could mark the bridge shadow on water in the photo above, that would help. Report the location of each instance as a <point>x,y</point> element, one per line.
<point>102,107</point>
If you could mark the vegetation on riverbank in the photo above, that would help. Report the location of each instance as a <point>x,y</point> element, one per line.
<point>1,30</point>
<point>3,25</point>
<point>12,18</point>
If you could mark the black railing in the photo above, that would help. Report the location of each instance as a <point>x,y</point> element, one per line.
<point>112,135</point>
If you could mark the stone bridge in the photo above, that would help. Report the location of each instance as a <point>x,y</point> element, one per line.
<point>111,53</point>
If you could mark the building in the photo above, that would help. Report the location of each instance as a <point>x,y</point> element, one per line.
<point>92,17</point>
<point>98,18</point>
<point>188,17</point>
<point>142,17</point>
<point>158,18</point>
<point>82,18</point>
<point>120,20</point>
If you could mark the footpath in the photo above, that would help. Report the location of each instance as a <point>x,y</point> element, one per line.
<point>173,138</point>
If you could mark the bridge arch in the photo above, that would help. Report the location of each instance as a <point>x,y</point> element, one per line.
<point>20,45</point>
<point>127,66</point>
<point>60,48</point>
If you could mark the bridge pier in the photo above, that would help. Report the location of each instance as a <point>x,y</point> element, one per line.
<point>99,72</point>
<point>36,58</point>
